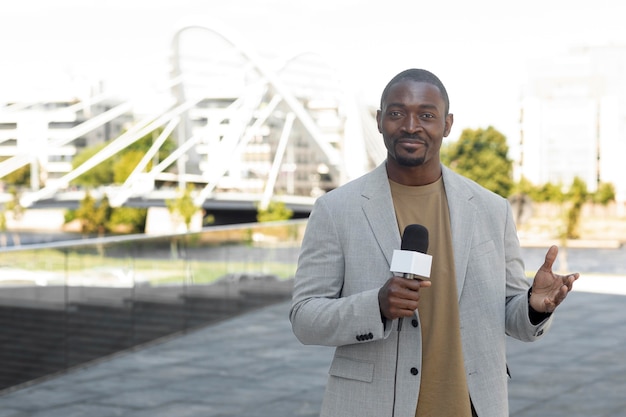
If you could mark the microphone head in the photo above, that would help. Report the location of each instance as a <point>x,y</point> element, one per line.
<point>415,238</point>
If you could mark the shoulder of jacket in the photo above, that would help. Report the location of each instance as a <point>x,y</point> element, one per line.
<point>352,188</point>
<point>471,186</point>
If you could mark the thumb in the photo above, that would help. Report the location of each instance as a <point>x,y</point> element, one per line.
<point>550,258</point>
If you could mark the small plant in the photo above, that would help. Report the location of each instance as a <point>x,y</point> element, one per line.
<point>275,211</point>
<point>183,207</point>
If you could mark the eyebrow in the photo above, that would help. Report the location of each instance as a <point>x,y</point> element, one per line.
<point>421,106</point>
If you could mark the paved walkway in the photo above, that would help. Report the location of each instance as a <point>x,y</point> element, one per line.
<point>253,366</point>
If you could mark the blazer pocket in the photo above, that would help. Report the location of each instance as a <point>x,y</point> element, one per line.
<point>351,369</point>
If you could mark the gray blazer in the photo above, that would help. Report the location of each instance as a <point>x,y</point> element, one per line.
<point>344,260</point>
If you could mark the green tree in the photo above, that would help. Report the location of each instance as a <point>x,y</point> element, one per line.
<point>101,174</point>
<point>128,220</point>
<point>183,207</point>
<point>3,227</point>
<point>550,192</point>
<point>482,155</point>
<point>577,195</point>
<point>275,211</point>
<point>19,177</point>
<point>17,211</point>
<point>94,215</point>
<point>117,168</point>
<point>604,194</point>
<point>524,187</point>
<point>124,165</point>
<point>100,217</point>
<point>144,143</point>
<point>14,205</point>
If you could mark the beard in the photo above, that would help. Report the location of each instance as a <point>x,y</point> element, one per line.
<point>408,161</point>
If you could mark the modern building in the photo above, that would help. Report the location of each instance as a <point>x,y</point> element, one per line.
<point>46,135</point>
<point>573,120</point>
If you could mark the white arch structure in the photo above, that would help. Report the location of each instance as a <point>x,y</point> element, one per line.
<point>247,115</point>
<point>282,94</point>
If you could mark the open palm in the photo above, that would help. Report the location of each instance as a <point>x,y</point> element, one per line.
<point>550,289</point>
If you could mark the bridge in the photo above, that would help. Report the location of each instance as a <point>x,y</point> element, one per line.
<point>248,131</point>
<point>224,208</point>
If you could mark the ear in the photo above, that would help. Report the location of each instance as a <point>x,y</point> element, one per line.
<point>448,125</point>
<point>378,119</point>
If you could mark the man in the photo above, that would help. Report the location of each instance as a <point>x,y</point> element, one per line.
<point>449,357</point>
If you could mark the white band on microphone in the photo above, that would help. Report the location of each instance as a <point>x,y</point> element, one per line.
<point>411,262</point>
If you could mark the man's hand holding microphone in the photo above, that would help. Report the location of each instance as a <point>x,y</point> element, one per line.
<point>399,296</point>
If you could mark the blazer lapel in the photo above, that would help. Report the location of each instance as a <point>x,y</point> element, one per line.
<point>462,214</point>
<point>379,211</point>
<point>381,216</point>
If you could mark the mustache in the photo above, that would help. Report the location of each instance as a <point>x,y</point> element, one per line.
<point>410,137</point>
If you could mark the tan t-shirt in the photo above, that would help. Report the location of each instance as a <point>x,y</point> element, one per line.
<point>443,390</point>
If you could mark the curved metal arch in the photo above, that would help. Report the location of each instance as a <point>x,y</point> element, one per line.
<point>296,107</point>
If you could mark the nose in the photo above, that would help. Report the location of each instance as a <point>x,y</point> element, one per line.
<point>412,124</point>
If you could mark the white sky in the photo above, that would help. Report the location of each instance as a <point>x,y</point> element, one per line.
<point>478,48</point>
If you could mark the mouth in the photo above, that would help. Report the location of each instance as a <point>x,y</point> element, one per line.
<point>411,145</point>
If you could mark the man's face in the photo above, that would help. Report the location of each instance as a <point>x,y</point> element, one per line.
<point>413,123</point>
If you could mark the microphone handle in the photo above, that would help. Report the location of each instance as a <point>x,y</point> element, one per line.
<point>408,275</point>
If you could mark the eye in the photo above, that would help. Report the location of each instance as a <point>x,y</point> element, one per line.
<point>427,116</point>
<point>394,113</point>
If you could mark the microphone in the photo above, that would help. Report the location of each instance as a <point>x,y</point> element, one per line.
<point>411,260</point>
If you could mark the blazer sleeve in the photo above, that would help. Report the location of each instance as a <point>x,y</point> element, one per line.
<point>518,324</point>
<point>322,313</point>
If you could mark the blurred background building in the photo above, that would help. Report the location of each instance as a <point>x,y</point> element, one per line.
<point>573,119</point>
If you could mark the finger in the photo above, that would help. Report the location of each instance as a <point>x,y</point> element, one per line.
<point>415,284</point>
<point>407,307</point>
<point>560,296</point>
<point>569,281</point>
<point>401,292</point>
<point>402,308</point>
<point>550,258</point>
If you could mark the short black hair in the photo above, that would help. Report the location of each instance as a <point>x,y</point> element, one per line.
<point>418,75</point>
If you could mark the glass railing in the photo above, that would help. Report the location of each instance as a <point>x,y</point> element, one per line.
<point>67,303</point>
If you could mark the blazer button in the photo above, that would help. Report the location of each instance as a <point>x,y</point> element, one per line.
<point>414,322</point>
<point>414,371</point>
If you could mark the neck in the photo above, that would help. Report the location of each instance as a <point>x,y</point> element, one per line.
<point>413,176</point>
